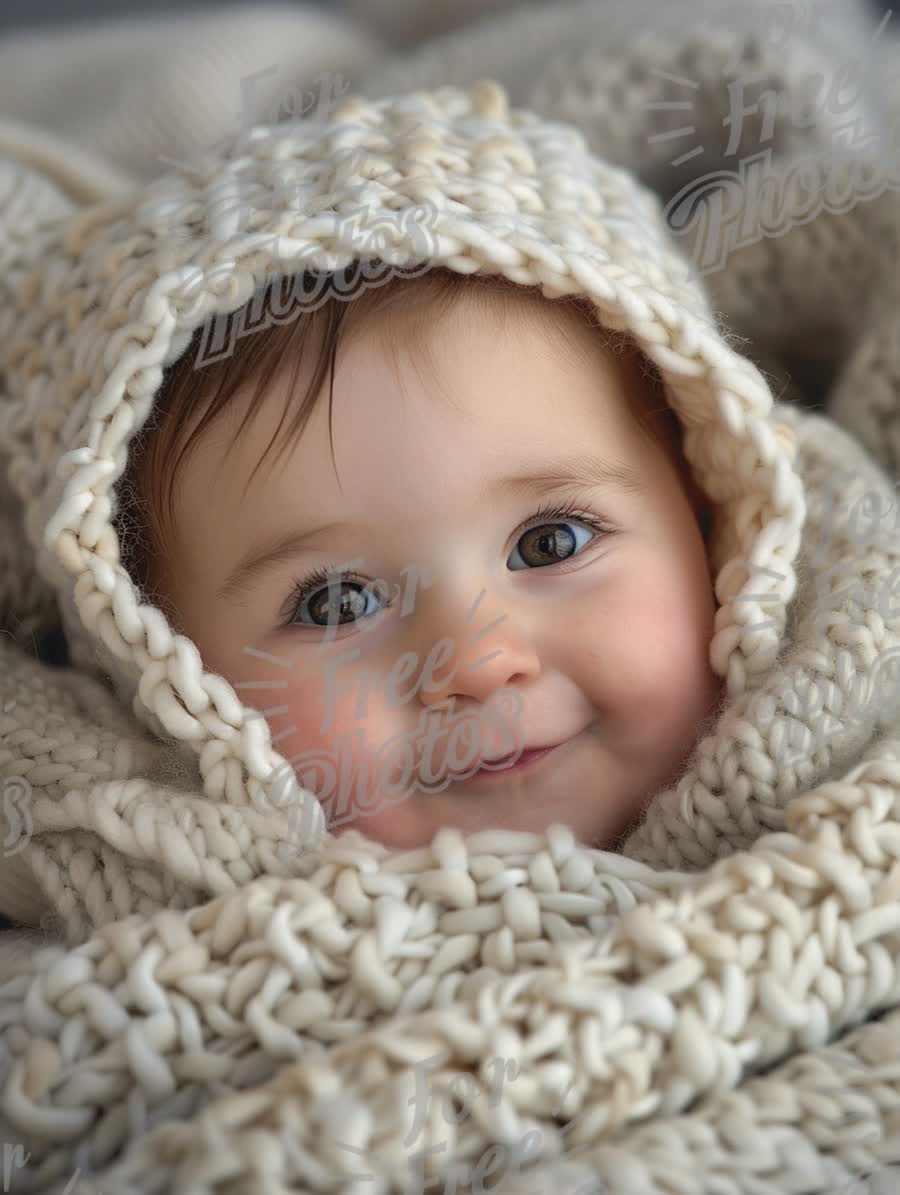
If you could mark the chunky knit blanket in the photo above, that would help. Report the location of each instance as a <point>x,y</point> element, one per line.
<point>207,997</point>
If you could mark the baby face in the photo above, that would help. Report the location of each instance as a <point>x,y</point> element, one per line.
<point>524,571</point>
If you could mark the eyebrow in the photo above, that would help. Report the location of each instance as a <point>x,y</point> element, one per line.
<point>580,469</point>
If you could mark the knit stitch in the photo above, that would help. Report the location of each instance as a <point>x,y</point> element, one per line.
<point>228,998</point>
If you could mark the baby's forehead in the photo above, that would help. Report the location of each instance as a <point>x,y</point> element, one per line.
<point>566,334</point>
<point>457,349</point>
<point>284,373</point>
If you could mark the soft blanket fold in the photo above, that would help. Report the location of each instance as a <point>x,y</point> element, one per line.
<point>223,999</point>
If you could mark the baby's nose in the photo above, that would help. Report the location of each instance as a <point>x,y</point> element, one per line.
<point>478,660</point>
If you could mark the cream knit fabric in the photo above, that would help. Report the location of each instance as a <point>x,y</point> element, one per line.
<point>143,88</point>
<point>238,1003</point>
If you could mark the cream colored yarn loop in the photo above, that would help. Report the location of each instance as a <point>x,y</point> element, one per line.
<point>242,1004</point>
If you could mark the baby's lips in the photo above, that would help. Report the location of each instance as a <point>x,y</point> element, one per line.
<point>479,735</point>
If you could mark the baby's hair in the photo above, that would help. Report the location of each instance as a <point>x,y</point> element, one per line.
<point>190,399</point>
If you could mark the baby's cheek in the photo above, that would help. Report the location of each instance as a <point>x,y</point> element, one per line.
<point>334,753</point>
<point>662,662</point>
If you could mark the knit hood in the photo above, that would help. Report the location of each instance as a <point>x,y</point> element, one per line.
<point>100,300</point>
<point>232,1014</point>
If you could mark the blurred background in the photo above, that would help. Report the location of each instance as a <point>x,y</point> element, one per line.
<point>19,14</point>
<point>100,93</point>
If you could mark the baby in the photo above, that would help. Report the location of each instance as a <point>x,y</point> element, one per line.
<point>467,602</point>
<point>472,590</point>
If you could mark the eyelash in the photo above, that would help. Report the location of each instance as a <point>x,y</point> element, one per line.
<point>319,578</point>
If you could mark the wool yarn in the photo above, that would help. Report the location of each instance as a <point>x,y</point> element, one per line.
<point>236,1000</point>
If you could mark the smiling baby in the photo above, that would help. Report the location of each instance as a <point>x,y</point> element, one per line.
<point>471,589</point>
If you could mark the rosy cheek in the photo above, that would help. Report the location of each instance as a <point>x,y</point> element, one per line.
<point>333,751</point>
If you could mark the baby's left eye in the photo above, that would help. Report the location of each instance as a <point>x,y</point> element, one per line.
<point>548,543</point>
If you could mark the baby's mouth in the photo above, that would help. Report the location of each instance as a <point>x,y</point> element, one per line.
<point>515,763</point>
<point>461,745</point>
<point>491,768</point>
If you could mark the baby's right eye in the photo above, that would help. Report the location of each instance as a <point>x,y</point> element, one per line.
<point>322,595</point>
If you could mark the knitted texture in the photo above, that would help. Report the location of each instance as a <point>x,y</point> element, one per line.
<point>237,1001</point>
<point>142,89</point>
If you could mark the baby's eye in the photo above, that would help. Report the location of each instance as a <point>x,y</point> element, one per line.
<point>548,543</point>
<point>335,598</point>
<point>334,604</point>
